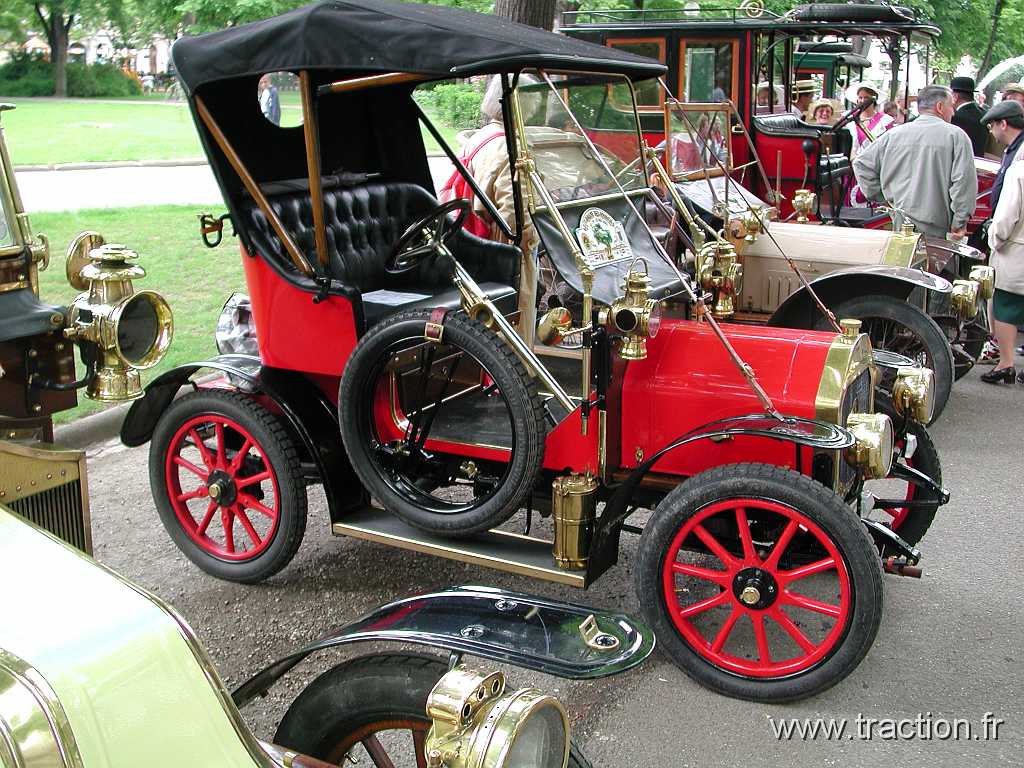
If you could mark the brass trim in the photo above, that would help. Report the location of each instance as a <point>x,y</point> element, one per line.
<point>14,286</point>
<point>33,731</point>
<point>252,187</point>
<point>847,358</point>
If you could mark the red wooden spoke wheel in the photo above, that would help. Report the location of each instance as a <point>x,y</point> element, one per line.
<point>759,582</point>
<point>753,586</point>
<point>224,493</point>
<point>227,483</point>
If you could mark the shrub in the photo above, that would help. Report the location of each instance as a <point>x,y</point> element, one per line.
<point>456,104</point>
<point>32,76</point>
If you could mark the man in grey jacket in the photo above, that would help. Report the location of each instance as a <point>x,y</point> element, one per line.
<point>925,167</point>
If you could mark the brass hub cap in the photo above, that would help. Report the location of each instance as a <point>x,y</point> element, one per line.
<point>755,588</point>
<point>221,488</point>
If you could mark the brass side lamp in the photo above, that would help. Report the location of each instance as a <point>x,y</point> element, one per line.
<point>803,204</point>
<point>634,315</point>
<point>719,272</point>
<point>129,331</point>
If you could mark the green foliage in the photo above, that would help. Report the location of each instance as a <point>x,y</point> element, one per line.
<point>456,104</point>
<point>33,76</point>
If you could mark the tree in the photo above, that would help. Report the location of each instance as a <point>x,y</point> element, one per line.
<point>535,13</point>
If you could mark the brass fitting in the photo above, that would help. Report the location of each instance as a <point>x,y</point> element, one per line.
<point>985,277</point>
<point>964,298</point>
<point>850,328</point>
<point>871,452</point>
<point>719,272</point>
<point>913,393</point>
<point>574,508</point>
<point>803,204</point>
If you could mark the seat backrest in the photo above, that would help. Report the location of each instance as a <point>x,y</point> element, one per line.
<point>363,223</point>
<point>783,124</point>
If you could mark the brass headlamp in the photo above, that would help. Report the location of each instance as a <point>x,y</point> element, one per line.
<point>719,273</point>
<point>871,452</point>
<point>913,393</point>
<point>964,298</point>
<point>634,315</point>
<point>477,725</point>
<point>130,330</point>
<point>803,204</point>
<point>985,277</point>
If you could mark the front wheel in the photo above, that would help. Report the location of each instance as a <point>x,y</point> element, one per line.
<point>760,583</point>
<point>374,706</point>
<point>902,328</point>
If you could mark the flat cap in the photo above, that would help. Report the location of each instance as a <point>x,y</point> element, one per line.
<point>1004,110</point>
<point>1013,88</point>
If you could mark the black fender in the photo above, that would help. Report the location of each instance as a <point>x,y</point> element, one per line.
<point>306,409</point>
<point>507,627</point>
<point>800,311</point>
<point>820,435</point>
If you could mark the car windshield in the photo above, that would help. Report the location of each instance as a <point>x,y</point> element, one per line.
<point>603,107</point>
<point>697,140</point>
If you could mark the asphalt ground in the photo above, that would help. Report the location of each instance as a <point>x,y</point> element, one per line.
<point>949,646</point>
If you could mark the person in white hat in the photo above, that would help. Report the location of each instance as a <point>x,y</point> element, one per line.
<point>803,95</point>
<point>872,120</point>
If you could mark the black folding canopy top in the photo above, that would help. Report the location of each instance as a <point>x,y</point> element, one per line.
<point>371,36</point>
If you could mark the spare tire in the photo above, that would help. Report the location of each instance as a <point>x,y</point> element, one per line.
<point>447,435</point>
<point>851,12</point>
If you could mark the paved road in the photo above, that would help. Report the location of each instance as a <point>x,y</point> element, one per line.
<point>950,644</point>
<point>63,190</point>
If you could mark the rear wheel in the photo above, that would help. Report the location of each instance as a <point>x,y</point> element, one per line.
<point>374,707</point>
<point>902,328</point>
<point>227,484</point>
<point>448,435</point>
<point>967,342</point>
<point>760,583</point>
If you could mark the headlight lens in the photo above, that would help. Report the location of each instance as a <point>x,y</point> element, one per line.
<point>477,725</point>
<point>142,329</point>
<point>872,451</point>
<point>236,333</point>
<point>913,393</point>
<point>654,321</point>
<point>964,298</point>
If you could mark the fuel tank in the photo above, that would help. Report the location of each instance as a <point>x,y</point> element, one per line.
<point>688,379</point>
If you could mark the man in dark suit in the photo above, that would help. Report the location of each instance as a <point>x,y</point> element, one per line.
<point>967,115</point>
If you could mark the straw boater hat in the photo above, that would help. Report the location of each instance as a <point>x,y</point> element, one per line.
<point>818,104</point>
<point>804,86</point>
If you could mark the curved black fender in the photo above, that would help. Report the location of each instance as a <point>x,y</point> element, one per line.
<point>506,627</point>
<point>800,311</point>
<point>812,433</point>
<point>308,412</point>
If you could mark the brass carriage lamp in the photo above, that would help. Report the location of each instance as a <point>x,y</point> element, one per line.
<point>634,315</point>
<point>872,449</point>
<point>121,331</point>
<point>964,298</point>
<point>913,393</point>
<point>720,273</point>
<point>803,204</point>
<point>476,724</point>
<point>985,277</point>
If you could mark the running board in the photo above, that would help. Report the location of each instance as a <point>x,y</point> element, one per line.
<point>500,550</point>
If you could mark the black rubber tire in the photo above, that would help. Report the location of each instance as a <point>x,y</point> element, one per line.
<point>929,335</point>
<point>516,385</point>
<point>925,460</point>
<point>363,691</point>
<point>811,499</point>
<point>280,451</point>
<point>850,12</point>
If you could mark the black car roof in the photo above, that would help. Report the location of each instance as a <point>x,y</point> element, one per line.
<point>371,36</point>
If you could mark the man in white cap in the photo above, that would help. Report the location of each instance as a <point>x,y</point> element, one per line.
<point>925,168</point>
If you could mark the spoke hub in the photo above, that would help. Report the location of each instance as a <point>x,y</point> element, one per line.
<point>221,488</point>
<point>755,588</point>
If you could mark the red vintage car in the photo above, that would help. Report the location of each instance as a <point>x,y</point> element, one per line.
<point>388,360</point>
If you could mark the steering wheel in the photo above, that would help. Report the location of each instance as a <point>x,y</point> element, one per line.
<point>426,236</point>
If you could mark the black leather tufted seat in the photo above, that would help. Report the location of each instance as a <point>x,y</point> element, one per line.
<point>834,166</point>
<point>363,223</point>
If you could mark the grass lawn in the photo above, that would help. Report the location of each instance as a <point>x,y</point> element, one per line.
<point>194,279</point>
<point>40,132</point>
